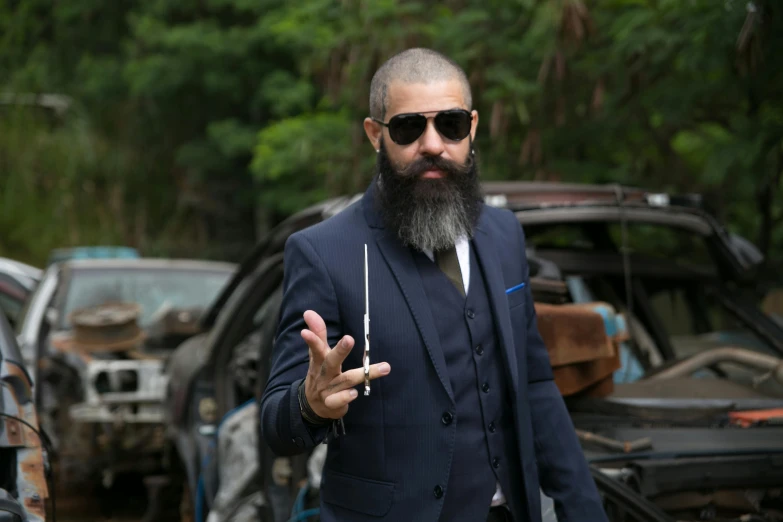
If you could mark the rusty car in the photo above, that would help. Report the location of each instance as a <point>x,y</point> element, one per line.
<point>94,336</point>
<point>26,486</point>
<point>692,317</point>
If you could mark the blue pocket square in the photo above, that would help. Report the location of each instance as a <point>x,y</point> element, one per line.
<point>515,288</point>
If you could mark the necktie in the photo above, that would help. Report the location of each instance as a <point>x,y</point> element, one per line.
<point>448,262</point>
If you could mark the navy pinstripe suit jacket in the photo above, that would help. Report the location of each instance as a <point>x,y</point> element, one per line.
<point>396,449</point>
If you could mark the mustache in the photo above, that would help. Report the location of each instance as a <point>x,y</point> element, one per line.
<point>448,167</point>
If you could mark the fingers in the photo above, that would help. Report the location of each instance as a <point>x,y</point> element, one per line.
<point>316,325</point>
<point>340,399</point>
<point>318,348</point>
<point>331,400</point>
<point>315,335</point>
<point>334,358</point>
<point>355,377</point>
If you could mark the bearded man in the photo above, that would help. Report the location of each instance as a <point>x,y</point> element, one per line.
<point>464,421</point>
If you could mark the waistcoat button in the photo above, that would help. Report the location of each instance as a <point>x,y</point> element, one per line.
<point>480,350</point>
<point>438,491</point>
<point>491,427</point>
<point>471,314</point>
<point>447,418</point>
<point>495,462</point>
<point>485,387</point>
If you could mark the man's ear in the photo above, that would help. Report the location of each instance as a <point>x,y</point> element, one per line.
<point>374,132</point>
<point>474,124</point>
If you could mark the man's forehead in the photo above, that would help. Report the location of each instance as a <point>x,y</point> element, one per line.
<point>403,97</point>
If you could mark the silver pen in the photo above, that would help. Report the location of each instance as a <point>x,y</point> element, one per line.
<point>366,326</point>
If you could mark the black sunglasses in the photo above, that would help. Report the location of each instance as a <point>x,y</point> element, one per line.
<point>453,124</point>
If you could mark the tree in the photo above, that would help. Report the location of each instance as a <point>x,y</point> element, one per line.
<point>215,119</point>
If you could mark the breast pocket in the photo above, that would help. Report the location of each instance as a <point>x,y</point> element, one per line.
<point>516,297</point>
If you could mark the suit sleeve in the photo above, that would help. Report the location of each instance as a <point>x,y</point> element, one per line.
<point>306,286</point>
<point>563,470</point>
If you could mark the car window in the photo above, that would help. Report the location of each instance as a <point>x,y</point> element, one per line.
<point>154,290</point>
<point>696,322</point>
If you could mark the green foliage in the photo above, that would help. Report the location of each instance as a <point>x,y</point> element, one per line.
<point>214,116</point>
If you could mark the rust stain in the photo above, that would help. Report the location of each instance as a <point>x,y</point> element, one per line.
<point>14,432</point>
<point>33,480</point>
<point>33,469</point>
<point>35,505</point>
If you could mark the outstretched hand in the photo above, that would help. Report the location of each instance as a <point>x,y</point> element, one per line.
<point>328,389</point>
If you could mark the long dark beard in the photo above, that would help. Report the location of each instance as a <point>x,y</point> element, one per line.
<point>429,214</point>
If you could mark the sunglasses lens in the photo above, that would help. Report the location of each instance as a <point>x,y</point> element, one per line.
<point>453,125</point>
<point>406,128</point>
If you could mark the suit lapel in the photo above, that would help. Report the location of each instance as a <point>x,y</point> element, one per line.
<point>493,275</point>
<point>403,266</point>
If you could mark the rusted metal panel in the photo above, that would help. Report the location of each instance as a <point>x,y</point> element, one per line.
<point>33,487</point>
<point>582,341</point>
<point>142,405</point>
<point>31,464</point>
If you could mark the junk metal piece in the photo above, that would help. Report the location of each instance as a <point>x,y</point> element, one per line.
<point>615,445</point>
<point>107,328</point>
<point>130,391</point>
<point>761,361</point>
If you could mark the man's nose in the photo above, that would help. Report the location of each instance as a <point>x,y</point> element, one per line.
<point>431,142</point>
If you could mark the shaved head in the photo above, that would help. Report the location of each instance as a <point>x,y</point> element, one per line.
<point>414,66</point>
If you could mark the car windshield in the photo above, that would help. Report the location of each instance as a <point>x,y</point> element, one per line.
<point>153,289</point>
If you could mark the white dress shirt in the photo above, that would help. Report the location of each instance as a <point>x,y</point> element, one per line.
<point>463,254</point>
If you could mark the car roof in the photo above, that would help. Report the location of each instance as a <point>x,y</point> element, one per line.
<point>148,263</point>
<point>17,268</point>
<point>519,195</point>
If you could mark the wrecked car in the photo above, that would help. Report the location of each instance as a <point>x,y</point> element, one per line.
<point>581,255</point>
<point>685,284</point>
<point>26,487</point>
<point>95,336</point>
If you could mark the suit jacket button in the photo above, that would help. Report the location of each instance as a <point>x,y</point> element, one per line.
<point>496,462</point>
<point>438,491</point>
<point>471,314</point>
<point>298,441</point>
<point>447,418</point>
